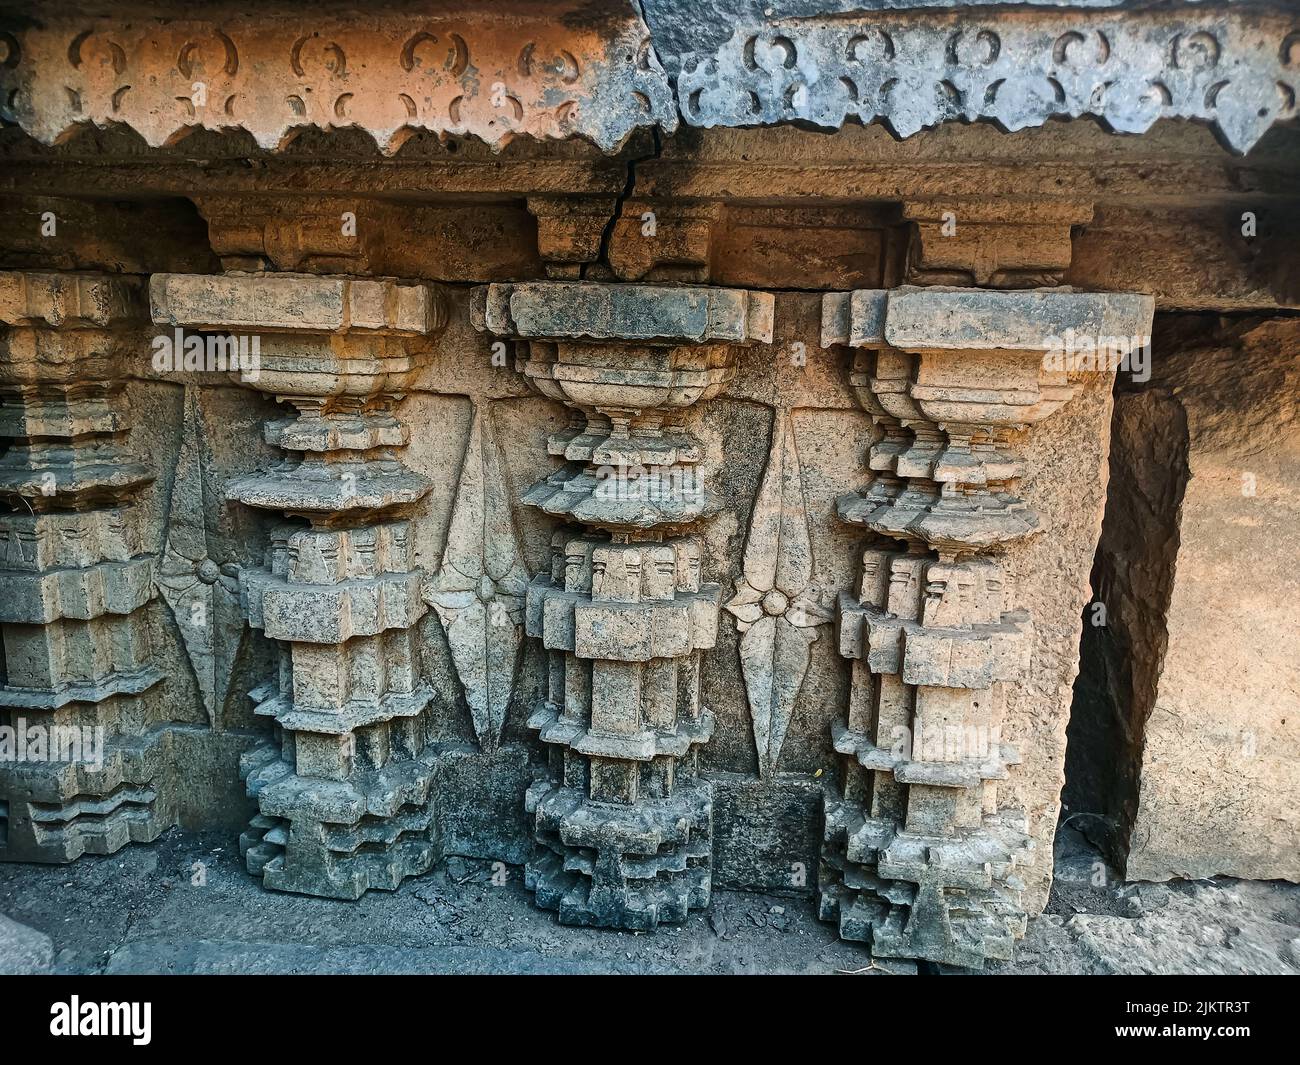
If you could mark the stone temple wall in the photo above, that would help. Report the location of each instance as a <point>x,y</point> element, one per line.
<point>560,434</point>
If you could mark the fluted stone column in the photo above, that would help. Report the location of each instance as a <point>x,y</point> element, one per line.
<point>345,793</point>
<point>623,823</point>
<point>75,580</point>
<point>921,859</point>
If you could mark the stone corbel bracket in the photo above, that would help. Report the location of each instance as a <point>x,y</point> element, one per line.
<point>1238,70</point>
<point>991,243</point>
<point>553,73</point>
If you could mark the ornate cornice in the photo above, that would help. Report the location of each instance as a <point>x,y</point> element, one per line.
<point>1237,71</point>
<point>548,74</point>
<point>555,70</point>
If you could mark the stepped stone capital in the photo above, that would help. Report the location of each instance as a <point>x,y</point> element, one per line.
<point>65,331</point>
<point>342,350</point>
<point>953,319</point>
<point>949,374</point>
<point>653,314</point>
<point>296,302</point>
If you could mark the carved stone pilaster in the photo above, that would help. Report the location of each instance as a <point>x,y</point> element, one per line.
<point>75,580</point>
<point>920,858</point>
<point>623,824</point>
<point>344,793</point>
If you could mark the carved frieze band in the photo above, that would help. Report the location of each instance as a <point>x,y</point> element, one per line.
<point>1237,70</point>
<point>538,74</point>
<point>600,77</point>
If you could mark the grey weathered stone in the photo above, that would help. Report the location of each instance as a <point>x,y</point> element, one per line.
<point>828,63</point>
<point>937,319</point>
<point>920,858</point>
<point>624,822</point>
<point>765,833</point>
<point>23,951</point>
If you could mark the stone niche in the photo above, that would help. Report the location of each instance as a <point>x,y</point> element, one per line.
<point>1186,732</point>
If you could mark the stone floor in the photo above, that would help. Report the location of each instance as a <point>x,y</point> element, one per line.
<point>185,905</point>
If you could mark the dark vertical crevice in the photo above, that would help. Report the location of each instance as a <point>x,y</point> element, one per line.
<point>629,187</point>
<point>1124,636</point>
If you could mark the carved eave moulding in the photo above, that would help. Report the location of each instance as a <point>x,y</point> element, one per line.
<point>553,73</point>
<point>1238,70</point>
<point>558,70</point>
